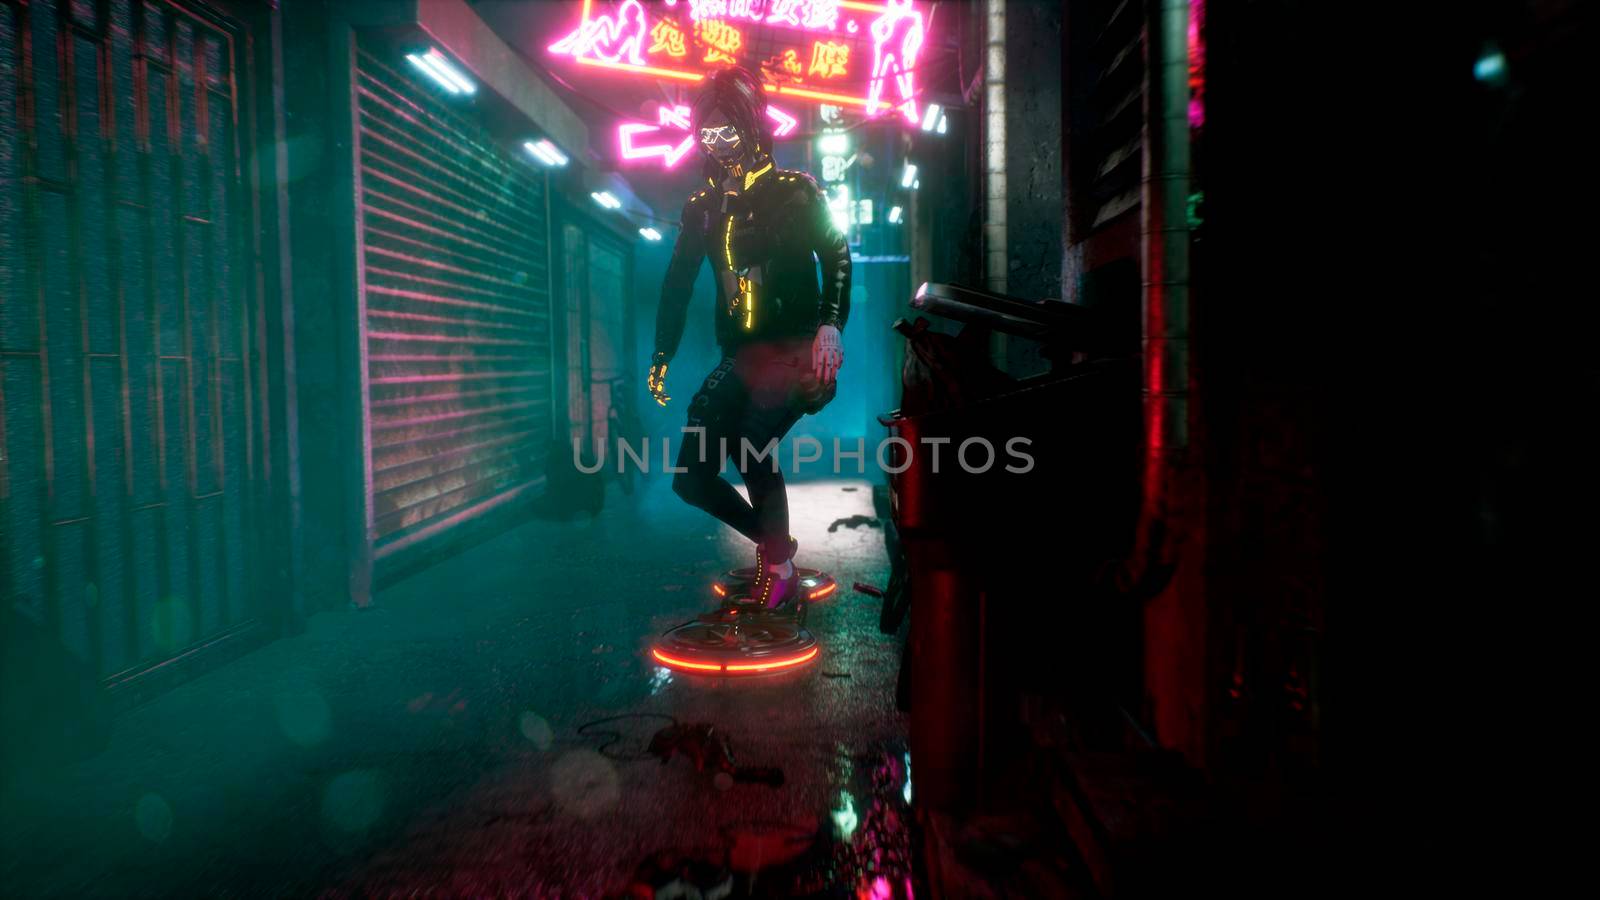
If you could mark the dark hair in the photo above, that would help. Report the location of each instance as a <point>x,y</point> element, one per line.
<point>740,96</point>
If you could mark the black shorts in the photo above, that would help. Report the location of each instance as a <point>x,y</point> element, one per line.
<point>760,385</point>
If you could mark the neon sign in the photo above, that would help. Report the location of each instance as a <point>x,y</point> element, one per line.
<point>628,132</point>
<point>896,36</point>
<point>813,15</point>
<point>784,123</point>
<point>668,37</point>
<point>634,139</point>
<point>607,38</point>
<point>829,59</point>
<point>721,39</point>
<point>860,54</point>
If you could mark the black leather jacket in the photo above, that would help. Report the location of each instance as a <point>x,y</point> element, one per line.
<point>775,232</point>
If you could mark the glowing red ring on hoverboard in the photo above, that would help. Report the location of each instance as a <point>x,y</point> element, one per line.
<point>672,662</point>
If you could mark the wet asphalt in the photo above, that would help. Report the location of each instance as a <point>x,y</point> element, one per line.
<point>448,741</point>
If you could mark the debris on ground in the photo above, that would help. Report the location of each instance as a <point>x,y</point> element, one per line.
<point>709,749</point>
<point>855,521</point>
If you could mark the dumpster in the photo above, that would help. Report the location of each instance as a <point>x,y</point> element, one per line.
<point>1005,495</point>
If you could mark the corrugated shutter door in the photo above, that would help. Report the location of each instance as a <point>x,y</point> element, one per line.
<point>455,238</point>
<point>130,470</point>
<point>1116,72</point>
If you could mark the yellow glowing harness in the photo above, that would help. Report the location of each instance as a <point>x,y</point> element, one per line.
<point>745,301</point>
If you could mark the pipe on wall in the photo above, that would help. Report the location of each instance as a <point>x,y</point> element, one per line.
<point>1164,301</point>
<point>1164,231</point>
<point>996,258</point>
<point>994,129</point>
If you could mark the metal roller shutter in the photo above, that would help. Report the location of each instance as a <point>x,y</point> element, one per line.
<point>455,243</point>
<point>1116,79</point>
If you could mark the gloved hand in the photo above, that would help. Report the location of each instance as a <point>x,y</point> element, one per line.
<point>827,354</point>
<point>657,379</point>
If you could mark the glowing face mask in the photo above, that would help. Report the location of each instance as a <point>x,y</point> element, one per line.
<point>720,138</point>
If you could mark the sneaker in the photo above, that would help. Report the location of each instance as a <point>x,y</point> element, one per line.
<point>779,592</point>
<point>769,590</point>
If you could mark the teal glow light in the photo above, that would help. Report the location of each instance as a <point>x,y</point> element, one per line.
<point>442,71</point>
<point>1490,67</point>
<point>546,152</point>
<point>839,207</point>
<point>837,143</point>
<point>844,818</point>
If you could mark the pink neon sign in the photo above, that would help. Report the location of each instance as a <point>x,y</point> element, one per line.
<point>850,53</point>
<point>896,37</point>
<point>785,122</point>
<point>606,38</point>
<point>633,143</point>
<point>675,116</point>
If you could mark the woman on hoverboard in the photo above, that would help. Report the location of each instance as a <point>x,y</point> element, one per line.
<point>764,230</point>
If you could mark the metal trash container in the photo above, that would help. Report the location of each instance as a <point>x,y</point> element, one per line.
<point>1035,455</point>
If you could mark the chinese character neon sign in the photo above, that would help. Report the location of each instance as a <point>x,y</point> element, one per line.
<point>668,37</point>
<point>829,59</point>
<point>745,9</point>
<point>860,54</point>
<point>721,39</point>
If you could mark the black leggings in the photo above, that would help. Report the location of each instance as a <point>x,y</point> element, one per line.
<point>755,395</point>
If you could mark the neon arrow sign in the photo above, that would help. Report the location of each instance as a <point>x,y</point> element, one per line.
<point>677,119</point>
<point>675,116</point>
<point>785,123</point>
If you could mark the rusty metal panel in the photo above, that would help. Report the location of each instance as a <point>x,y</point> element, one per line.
<point>575,303</point>
<point>454,240</point>
<point>608,331</point>
<point>126,480</point>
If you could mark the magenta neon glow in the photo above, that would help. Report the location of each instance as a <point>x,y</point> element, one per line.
<point>831,34</point>
<point>896,39</point>
<point>749,10</point>
<point>669,153</point>
<point>676,117</point>
<point>812,15</point>
<point>708,9</point>
<point>808,14</point>
<point>613,40</point>
<point>1197,64</point>
<point>633,138</point>
<point>786,123</point>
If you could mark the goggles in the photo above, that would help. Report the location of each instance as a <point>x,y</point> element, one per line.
<point>722,134</point>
